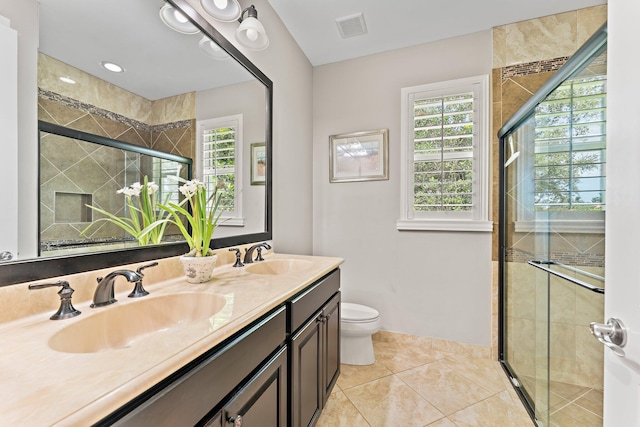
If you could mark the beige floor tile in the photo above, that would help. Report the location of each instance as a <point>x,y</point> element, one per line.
<point>446,389</point>
<point>574,415</point>
<point>496,411</point>
<point>592,401</point>
<point>352,375</point>
<point>389,402</point>
<point>340,412</point>
<point>443,422</point>
<point>480,371</point>
<point>398,358</point>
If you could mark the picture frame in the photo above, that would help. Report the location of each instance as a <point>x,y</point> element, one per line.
<point>359,156</point>
<point>258,163</point>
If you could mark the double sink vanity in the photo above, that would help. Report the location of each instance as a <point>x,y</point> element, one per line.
<point>255,346</point>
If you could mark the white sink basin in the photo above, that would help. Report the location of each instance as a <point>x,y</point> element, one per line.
<point>279,266</point>
<point>121,325</point>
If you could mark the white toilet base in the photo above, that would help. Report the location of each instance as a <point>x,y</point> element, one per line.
<point>356,350</point>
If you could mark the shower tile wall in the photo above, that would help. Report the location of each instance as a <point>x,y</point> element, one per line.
<point>525,56</point>
<point>66,169</point>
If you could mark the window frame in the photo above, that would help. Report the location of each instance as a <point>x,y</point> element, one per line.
<point>476,219</point>
<point>228,218</point>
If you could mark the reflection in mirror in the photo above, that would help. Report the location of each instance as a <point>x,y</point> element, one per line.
<point>80,169</point>
<point>168,86</point>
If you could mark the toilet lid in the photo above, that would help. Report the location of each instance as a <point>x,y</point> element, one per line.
<point>357,312</point>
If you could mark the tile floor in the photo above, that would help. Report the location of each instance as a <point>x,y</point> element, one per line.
<point>570,405</point>
<point>420,382</point>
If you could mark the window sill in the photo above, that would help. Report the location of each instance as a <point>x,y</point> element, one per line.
<point>444,225</point>
<point>231,222</point>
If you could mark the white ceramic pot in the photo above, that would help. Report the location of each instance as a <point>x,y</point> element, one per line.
<point>198,269</point>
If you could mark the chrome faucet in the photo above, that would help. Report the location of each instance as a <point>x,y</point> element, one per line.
<point>104,294</point>
<point>248,253</point>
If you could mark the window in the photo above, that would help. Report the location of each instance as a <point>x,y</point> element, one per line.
<point>220,161</point>
<point>567,186</point>
<point>445,156</point>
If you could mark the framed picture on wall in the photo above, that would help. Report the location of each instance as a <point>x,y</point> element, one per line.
<point>359,156</point>
<point>258,163</point>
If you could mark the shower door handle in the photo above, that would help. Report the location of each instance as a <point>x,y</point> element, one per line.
<point>613,334</point>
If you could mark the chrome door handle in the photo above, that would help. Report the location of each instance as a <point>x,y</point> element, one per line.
<point>613,334</point>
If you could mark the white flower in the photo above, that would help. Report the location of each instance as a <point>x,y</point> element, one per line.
<point>191,187</point>
<point>134,190</point>
<point>152,187</point>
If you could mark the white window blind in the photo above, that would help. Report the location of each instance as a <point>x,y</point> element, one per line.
<point>443,153</point>
<point>445,156</point>
<point>219,161</point>
<point>219,156</point>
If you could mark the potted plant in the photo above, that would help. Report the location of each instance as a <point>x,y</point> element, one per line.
<point>145,221</point>
<point>201,219</point>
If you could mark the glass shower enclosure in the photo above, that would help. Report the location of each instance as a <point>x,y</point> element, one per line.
<point>552,213</point>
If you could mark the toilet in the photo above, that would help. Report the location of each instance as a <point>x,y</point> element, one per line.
<point>357,324</point>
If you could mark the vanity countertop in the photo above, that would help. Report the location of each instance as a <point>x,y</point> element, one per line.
<point>42,387</point>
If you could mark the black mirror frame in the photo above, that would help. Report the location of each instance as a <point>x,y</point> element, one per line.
<point>14,272</point>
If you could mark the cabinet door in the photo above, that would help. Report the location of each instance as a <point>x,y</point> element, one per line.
<point>262,402</point>
<point>306,373</point>
<point>331,346</point>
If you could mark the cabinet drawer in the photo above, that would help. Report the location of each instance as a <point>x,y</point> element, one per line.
<point>305,304</point>
<point>195,393</point>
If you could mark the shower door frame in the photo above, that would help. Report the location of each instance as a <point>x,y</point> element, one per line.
<point>591,48</point>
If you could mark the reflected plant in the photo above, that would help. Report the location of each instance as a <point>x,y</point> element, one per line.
<point>201,216</point>
<point>146,221</point>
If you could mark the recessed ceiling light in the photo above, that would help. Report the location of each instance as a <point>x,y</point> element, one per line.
<point>111,66</point>
<point>67,80</point>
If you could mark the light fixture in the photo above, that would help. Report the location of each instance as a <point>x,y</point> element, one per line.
<point>222,10</point>
<point>212,49</point>
<point>251,33</point>
<point>67,79</point>
<point>175,20</point>
<point>112,66</point>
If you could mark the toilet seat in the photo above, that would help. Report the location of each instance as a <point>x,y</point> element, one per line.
<point>356,313</point>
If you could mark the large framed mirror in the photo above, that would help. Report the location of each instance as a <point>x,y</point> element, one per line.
<point>171,97</point>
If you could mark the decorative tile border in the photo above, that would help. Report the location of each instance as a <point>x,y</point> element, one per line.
<point>535,67</point>
<point>97,111</point>
<point>568,258</point>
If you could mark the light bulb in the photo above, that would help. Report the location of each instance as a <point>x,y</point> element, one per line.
<point>252,34</point>
<point>179,17</point>
<point>221,4</point>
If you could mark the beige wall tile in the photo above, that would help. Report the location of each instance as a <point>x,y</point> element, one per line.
<point>542,38</point>
<point>589,20</point>
<point>499,46</point>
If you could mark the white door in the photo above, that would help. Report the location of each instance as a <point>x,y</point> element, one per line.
<point>622,297</point>
<point>8,140</point>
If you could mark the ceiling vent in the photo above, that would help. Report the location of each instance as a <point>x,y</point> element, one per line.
<point>352,25</point>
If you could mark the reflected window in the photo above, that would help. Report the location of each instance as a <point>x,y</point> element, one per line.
<point>220,152</point>
<point>570,135</point>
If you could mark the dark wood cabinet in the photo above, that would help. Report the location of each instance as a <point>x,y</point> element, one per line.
<point>276,372</point>
<point>315,352</point>
<point>262,402</point>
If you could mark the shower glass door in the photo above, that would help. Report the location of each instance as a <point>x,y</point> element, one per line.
<point>552,249</point>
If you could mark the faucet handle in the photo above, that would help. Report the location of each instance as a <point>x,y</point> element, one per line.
<point>142,267</point>
<point>66,310</point>
<point>138,290</point>
<point>259,257</point>
<point>238,262</point>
